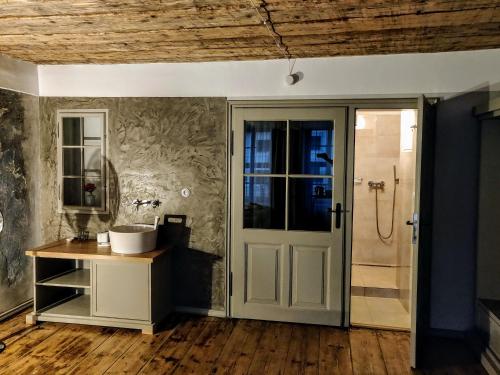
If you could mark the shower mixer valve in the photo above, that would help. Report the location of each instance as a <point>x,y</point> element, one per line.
<point>376,184</point>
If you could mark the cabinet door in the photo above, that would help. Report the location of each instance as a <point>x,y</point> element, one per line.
<point>121,290</point>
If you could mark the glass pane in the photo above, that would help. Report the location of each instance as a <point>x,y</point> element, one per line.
<point>310,199</point>
<point>71,131</point>
<point>92,161</point>
<point>92,130</point>
<point>311,147</point>
<point>72,191</point>
<point>265,147</point>
<point>264,202</point>
<point>93,192</point>
<point>72,161</point>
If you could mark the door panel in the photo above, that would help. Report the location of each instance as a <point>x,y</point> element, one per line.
<point>286,252</point>
<point>422,225</point>
<point>262,280</point>
<point>309,267</point>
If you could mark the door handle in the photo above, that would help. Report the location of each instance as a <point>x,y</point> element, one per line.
<point>337,211</point>
<point>414,224</point>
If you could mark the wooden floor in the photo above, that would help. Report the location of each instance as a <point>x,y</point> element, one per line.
<point>201,345</point>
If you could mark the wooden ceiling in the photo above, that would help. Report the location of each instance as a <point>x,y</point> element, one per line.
<point>132,31</point>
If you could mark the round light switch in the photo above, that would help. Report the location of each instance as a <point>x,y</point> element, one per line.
<point>185,192</point>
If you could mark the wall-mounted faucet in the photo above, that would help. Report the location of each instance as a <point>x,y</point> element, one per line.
<point>141,202</point>
<point>376,185</point>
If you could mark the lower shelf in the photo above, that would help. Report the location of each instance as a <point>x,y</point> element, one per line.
<point>76,306</point>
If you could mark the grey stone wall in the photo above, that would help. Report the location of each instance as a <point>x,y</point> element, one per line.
<point>157,146</point>
<point>18,195</point>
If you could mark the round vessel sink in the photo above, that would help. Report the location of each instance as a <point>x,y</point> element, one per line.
<point>133,239</point>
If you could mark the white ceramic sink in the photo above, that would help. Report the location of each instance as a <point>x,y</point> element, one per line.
<point>133,239</point>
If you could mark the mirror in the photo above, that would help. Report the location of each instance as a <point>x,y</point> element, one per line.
<point>1,222</point>
<point>82,153</point>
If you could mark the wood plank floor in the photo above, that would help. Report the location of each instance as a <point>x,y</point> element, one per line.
<point>204,345</point>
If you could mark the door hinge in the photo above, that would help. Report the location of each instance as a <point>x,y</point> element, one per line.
<point>230,284</point>
<point>231,143</point>
<point>58,126</point>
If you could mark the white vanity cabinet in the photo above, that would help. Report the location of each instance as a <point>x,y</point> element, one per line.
<point>80,283</point>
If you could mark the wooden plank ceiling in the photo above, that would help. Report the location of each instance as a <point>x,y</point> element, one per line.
<point>132,31</point>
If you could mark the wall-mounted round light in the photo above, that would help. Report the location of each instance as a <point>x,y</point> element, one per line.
<point>292,79</point>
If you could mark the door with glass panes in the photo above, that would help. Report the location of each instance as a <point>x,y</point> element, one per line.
<point>288,172</point>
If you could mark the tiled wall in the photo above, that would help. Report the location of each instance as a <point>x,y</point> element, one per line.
<point>377,150</point>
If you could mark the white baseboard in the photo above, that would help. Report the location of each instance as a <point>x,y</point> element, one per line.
<point>16,310</point>
<point>201,311</point>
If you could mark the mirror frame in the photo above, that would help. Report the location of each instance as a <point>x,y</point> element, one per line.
<point>104,208</point>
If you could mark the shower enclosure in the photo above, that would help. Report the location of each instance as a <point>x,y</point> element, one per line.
<point>384,185</point>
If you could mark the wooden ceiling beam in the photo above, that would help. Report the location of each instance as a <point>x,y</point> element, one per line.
<point>322,45</point>
<point>221,17</point>
<point>37,8</point>
<point>94,44</point>
<point>121,31</point>
<point>285,25</point>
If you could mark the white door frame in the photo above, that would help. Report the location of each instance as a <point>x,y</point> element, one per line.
<point>352,105</point>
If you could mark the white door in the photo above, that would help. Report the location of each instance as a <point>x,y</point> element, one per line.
<point>422,230</point>
<point>288,173</point>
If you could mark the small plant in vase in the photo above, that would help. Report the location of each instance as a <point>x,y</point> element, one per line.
<point>89,197</point>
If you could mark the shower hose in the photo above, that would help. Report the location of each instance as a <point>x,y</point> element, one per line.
<point>380,235</point>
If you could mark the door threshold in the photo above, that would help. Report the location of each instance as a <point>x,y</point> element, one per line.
<point>379,327</point>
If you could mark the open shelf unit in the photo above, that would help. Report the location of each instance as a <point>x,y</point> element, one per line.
<point>77,305</point>
<point>76,278</point>
<point>62,287</point>
<point>78,282</point>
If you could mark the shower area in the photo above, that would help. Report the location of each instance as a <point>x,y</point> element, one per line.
<point>384,185</point>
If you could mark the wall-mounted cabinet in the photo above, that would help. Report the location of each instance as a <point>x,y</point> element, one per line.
<point>79,283</point>
<point>82,177</point>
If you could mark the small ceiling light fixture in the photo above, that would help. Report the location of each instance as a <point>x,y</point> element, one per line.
<point>291,78</point>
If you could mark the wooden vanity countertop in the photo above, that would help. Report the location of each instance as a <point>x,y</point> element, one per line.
<point>89,250</point>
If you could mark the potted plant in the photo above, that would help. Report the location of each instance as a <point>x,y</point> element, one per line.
<point>89,197</point>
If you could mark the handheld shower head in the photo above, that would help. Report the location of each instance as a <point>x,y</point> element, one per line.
<point>325,157</point>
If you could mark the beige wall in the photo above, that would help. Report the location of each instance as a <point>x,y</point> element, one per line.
<point>377,150</point>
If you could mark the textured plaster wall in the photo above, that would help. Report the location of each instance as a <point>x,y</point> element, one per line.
<point>18,199</point>
<point>157,146</point>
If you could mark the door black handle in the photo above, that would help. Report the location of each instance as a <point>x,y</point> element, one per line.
<point>338,212</point>
<point>408,222</point>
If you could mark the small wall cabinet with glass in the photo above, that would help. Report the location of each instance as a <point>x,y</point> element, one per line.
<point>82,159</point>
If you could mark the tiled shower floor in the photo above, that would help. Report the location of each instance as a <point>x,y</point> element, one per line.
<point>377,311</point>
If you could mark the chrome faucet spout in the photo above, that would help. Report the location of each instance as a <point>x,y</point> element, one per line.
<point>138,202</point>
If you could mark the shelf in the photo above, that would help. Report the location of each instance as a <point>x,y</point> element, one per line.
<point>78,278</point>
<point>75,306</point>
